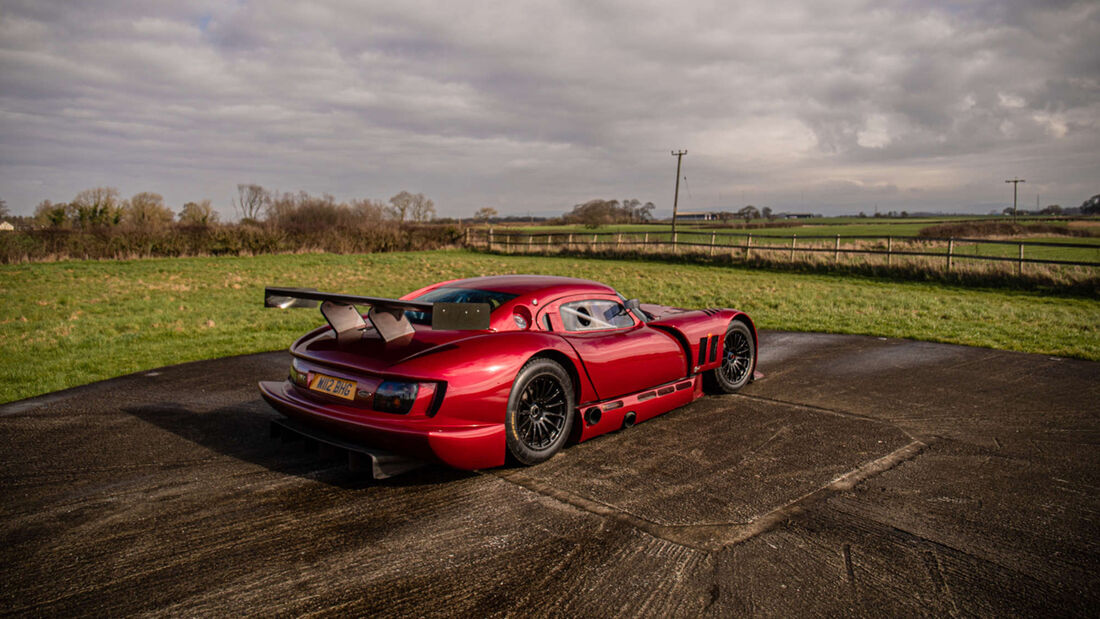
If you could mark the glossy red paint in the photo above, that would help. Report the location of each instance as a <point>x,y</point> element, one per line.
<point>462,446</point>
<point>465,378</point>
<point>655,357</point>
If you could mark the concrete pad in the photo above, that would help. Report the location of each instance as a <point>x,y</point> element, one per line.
<point>724,460</point>
<point>861,476</point>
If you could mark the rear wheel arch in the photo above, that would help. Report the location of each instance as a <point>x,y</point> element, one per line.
<point>540,415</point>
<point>567,364</point>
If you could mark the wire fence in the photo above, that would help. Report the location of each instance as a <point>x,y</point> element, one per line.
<point>889,250</point>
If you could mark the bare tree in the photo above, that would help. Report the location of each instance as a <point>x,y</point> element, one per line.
<point>198,214</point>
<point>280,208</point>
<point>423,209</point>
<point>368,212</point>
<point>415,206</point>
<point>147,210</point>
<point>400,205</point>
<point>596,213</point>
<point>3,208</point>
<point>251,201</point>
<point>630,208</point>
<point>766,213</point>
<point>485,213</point>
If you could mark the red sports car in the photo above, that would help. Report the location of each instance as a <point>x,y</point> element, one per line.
<point>472,371</point>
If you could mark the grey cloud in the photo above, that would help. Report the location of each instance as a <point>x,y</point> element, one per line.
<point>535,106</point>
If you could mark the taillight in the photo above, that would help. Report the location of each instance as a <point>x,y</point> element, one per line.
<point>395,397</point>
<point>299,375</point>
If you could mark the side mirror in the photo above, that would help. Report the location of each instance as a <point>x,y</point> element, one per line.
<point>635,306</point>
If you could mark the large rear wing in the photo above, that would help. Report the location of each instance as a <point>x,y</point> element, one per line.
<point>386,315</point>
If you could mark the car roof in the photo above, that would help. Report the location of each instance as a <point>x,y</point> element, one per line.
<point>523,285</point>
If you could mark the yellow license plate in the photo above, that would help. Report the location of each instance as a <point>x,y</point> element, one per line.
<point>333,386</point>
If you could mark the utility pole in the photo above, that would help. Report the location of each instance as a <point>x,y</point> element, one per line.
<point>679,154</point>
<point>1015,183</point>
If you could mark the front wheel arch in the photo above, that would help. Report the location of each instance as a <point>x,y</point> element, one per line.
<point>739,355</point>
<point>755,338</point>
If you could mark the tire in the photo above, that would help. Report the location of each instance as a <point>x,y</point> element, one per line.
<point>540,412</point>
<point>738,360</point>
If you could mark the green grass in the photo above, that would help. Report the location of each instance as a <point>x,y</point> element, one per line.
<point>69,323</point>
<point>807,236</point>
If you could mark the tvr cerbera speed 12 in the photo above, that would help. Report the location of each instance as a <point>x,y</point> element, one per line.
<point>474,371</point>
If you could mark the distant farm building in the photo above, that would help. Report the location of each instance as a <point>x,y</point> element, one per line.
<point>6,226</point>
<point>796,215</point>
<point>696,216</point>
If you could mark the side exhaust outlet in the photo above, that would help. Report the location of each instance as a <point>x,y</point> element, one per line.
<point>592,416</point>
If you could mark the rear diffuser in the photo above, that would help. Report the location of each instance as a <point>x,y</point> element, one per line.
<point>381,464</point>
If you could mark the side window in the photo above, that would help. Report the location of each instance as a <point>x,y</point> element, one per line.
<point>594,314</point>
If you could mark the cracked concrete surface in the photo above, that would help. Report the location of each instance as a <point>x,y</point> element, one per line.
<point>861,476</point>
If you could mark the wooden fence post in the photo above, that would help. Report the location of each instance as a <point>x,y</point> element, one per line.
<point>619,242</point>
<point>1020,263</point>
<point>836,250</point>
<point>950,251</point>
<point>490,239</point>
<point>530,242</point>
<point>713,236</point>
<point>889,249</point>
<point>569,242</point>
<point>466,238</point>
<point>794,240</point>
<point>748,247</point>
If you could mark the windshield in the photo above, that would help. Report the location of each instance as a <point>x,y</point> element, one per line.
<point>457,295</point>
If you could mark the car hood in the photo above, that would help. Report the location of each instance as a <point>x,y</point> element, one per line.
<point>658,312</point>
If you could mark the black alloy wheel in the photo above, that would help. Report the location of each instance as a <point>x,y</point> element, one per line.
<point>738,360</point>
<point>540,411</point>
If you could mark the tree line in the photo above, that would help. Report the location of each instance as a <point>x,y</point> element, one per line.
<point>103,207</point>
<point>598,212</point>
<point>99,223</point>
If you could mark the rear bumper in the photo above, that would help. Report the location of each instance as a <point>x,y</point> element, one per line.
<point>460,446</point>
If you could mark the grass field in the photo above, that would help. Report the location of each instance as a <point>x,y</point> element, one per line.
<point>68,323</point>
<point>829,226</point>
<point>908,228</point>
<point>821,235</point>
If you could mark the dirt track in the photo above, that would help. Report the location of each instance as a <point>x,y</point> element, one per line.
<point>860,476</point>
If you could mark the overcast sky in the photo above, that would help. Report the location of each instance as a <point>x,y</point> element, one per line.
<point>532,107</point>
